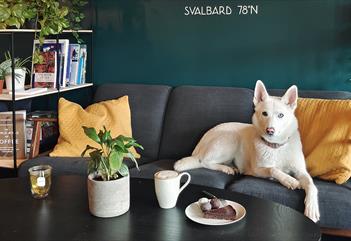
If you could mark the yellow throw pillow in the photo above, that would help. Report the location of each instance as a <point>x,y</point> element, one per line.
<point>325,128</point>
<point>114,114</point>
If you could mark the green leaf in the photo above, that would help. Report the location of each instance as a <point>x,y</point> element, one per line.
<point>131,156</point>
<point>12,21</point>
<point>116,159</point>
<point>17,10</point>
<point>91,133</point>
<point>124,171</point>
<point>125,138</point>
<point>4,14</point>
<point>94,161</point>
<point>87,148</point>
<point>117,143</point>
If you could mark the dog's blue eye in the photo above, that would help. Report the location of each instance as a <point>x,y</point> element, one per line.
<point>264,113</point>
<point>281,115</point>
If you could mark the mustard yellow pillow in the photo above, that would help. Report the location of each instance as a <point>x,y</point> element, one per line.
<point>325,128</point>
<point>114,114</point>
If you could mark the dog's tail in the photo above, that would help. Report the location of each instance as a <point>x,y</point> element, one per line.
<point>187,163</point>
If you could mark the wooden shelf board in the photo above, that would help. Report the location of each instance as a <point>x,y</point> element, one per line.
<point>8,97</point>
<point>8,163</point>
<point>37,30</point>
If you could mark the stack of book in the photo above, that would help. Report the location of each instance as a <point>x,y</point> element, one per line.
<point>67,62</point>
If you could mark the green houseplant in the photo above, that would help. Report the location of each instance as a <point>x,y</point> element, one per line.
<point>20,71</point>
<point>108,179</point>
<point>15,13</point>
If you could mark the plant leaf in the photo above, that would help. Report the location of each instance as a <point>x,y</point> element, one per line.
<point>87,148</point>
<point>115,159</point>
<point>124,171</point>
<point>131,156</point>
<point>91,133</point>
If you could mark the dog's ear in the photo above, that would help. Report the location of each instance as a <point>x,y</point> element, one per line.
<point>260,92</point>
<point>290,97</point>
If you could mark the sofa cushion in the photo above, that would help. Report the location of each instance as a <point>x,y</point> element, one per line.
<point>325,131</point>
<point>204,177</point>
<point>334,200</point>
<point>147,104</point>
<point>191,111</point>
<point>112,114</point>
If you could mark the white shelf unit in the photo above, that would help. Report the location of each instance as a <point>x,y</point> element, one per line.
<point>8,97</point>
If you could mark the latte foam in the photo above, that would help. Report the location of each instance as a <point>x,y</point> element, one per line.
<point>166,174</point>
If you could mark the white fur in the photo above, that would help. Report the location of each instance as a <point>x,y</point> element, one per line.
<point>241,144</point>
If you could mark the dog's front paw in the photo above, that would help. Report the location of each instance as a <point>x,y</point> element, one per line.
<point>228,170</point>
<point>179,166</point>
<point>291,182</point>
<point>312,209</point>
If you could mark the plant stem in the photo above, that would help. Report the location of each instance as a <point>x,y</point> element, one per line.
<point>106,170</point>
<point>105,164</point>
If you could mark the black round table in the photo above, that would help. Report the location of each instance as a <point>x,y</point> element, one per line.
<point>64,215</point>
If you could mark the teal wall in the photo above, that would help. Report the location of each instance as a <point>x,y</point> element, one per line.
<point>289,42</point>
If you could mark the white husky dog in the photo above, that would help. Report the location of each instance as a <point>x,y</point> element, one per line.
<point>269,148</point>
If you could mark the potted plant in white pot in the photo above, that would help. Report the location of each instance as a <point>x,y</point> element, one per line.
<point>20,71</point>
<point>108,175</point>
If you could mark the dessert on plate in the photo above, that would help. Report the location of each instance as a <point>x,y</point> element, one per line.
<point>215,209</point>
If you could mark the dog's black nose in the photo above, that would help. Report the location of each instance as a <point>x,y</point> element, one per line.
<point>270,131</point>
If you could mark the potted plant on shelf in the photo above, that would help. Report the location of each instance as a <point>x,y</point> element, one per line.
<point>20,71</point>
<point>108,176</point>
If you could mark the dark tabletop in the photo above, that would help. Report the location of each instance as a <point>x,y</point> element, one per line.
<point>64,215</point>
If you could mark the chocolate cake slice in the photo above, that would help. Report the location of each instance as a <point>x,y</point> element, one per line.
<point>226,213</point>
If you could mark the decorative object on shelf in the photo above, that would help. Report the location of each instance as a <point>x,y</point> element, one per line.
<point>108,179</point>
<point>20,71</point>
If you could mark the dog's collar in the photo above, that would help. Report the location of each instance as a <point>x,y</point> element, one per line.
<point>272,145</point>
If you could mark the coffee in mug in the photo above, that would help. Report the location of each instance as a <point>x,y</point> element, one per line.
<point>167,187</point>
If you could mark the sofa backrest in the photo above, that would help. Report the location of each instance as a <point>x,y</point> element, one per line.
<point>319,94</point>
<point>191,111</point>
<point>148,104</point>
<point>170,122</point>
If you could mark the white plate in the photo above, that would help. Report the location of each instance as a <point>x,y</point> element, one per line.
<point>194,213</point>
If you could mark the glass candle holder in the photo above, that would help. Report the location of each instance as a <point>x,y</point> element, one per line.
<point>40,180</point>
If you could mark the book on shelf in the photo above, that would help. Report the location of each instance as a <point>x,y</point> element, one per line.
<point>82,64</point>
<point>74,63</point>
<point>55,59</point>
<point>6,135</point>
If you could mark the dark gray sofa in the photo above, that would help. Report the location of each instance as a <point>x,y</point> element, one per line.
<point>169,122</point>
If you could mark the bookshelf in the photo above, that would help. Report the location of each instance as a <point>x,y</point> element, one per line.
<point>13,162</point>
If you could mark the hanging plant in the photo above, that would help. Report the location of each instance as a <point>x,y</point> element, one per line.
<point>13,14</point>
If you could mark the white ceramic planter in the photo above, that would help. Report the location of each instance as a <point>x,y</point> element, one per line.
<point>108,198</point>
<point>20,79</point>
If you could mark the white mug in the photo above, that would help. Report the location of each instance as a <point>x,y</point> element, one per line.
<point>167,187</point>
